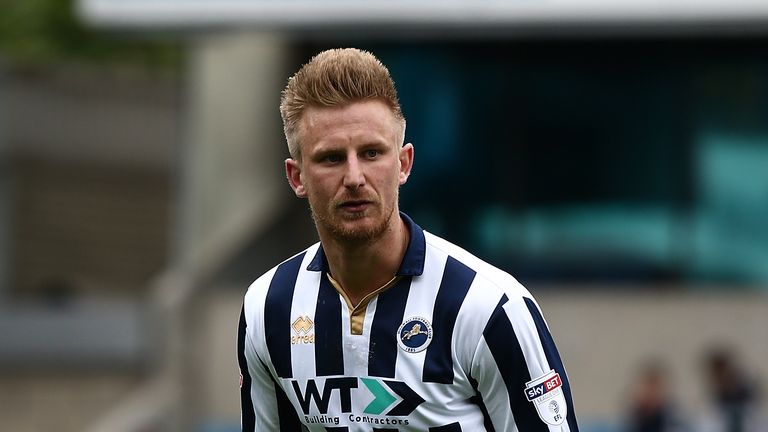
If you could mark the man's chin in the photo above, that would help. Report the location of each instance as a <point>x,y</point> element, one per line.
<point>361,229</point>
<point>357,231</point>
<point>354,227</point>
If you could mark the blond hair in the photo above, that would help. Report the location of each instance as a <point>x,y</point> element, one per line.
<point>332,78</point>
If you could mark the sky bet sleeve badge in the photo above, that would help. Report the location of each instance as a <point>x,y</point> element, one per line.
<point>546,394</point>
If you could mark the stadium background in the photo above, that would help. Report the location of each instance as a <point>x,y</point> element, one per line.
<point>620,173</point>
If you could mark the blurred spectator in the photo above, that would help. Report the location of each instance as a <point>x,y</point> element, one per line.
<point>735,406</point>
<point>651,408</point>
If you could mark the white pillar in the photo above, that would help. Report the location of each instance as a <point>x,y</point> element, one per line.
<point>231,185</point>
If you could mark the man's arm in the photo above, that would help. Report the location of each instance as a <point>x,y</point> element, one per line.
<point>518,371</point>
<point>264,405</point>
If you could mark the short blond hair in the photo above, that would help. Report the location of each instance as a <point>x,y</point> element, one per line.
<point>332,78</point>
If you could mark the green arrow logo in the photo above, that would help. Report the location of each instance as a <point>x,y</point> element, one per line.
<point>381,397</point>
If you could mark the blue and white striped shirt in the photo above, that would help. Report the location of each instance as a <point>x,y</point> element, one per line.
<point>450,344</point>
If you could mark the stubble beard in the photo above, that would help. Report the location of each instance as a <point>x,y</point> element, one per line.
<point>352,235</point>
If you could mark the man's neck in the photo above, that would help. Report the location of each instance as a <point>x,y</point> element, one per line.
<point>362,268</point>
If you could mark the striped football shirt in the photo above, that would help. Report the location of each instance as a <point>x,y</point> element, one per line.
<point>450,344</point>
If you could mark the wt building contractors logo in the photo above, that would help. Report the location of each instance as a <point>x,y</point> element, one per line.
<point>387,399</point>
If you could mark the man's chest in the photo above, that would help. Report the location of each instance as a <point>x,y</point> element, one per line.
<point>397,370</point>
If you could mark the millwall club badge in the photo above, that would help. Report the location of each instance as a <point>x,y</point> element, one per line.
<point>546,394</point>
<point>414,334</point>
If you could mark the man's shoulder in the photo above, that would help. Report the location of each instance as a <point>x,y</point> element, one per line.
<point>486,274</point>
<point>294,263</point>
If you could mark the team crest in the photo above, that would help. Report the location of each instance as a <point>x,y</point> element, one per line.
<point>546,394</point>
<point>414,334</point>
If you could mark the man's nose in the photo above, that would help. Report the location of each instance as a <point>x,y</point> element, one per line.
<point>354,176</point>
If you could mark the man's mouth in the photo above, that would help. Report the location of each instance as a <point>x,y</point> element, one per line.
<point>355,205</point>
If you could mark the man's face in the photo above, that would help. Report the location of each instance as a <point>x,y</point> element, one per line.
<point>351,168</point>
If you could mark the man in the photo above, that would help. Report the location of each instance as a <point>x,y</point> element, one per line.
<point>652,408</point>
<point>382,326</point>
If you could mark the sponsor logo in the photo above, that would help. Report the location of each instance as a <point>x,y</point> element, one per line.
<point>547,396</point>
<point>414,334</point>
<point>387,398</point>
<point>536,391</point>
<point>302,326</point>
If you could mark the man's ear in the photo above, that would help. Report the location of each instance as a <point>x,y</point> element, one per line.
<point>406,162</point>
<point>293,173</point>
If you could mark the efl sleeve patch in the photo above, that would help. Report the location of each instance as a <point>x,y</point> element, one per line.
<point>546,394</point>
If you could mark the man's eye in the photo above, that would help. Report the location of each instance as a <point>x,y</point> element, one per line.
<point>333,158</point>
<point>370,154</point>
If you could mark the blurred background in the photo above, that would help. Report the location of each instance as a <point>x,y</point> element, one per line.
<point>614,158</point>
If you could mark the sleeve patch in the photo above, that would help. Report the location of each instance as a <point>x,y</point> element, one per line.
<point>546,394</point>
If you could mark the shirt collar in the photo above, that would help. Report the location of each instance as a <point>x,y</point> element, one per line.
<point>413,261</point>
